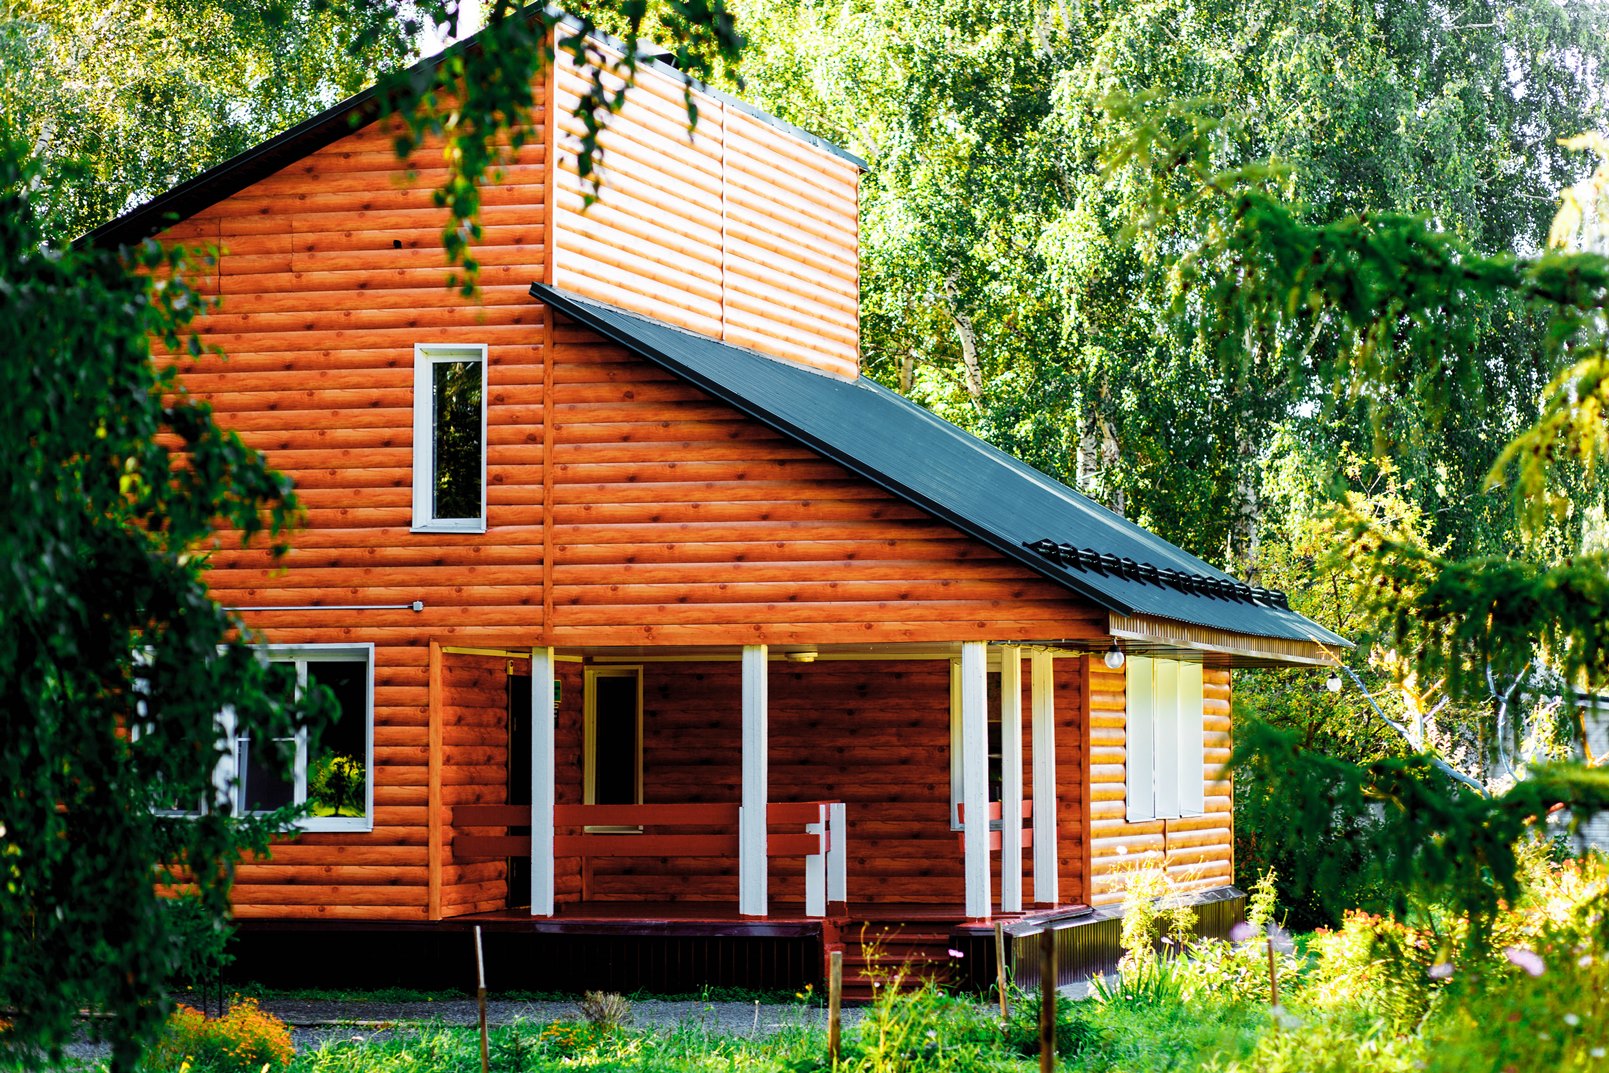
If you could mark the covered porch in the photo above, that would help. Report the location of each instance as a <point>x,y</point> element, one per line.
<point>746,780</point>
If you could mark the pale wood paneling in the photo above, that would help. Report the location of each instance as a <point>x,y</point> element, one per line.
<point>732,228</point>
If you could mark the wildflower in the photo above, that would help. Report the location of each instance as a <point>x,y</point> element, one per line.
<point>1597,1052</point>
<point>1572,1019</point>
<point>956,953</point>
<point>1280,938</point>
<point>1525,959</point>
<point>1241,932</point>
<point>1584,960</point>
<point>1441,970</point>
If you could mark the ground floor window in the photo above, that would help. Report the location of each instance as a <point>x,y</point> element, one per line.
<point>1165,741</point>
<point>331,775</point>
<point>992,716</point>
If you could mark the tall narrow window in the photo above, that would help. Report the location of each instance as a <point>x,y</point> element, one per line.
<point>612,710</point>
<point>992,705</point>
<point>1164,742</point>
<point>449,439</point>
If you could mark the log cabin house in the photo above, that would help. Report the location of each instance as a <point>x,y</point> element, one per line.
<point>670,649</point>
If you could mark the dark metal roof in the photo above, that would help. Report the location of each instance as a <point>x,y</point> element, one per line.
<point>337,121</point>
<point>924,459</point>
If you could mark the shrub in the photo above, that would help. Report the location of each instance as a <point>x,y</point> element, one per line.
<point>244,1040</point>
<point>605,1010</point>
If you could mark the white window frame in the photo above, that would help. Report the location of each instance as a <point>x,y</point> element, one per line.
<point>302,655</point>
<point>991,717</point>
<point>1164,767</point>
<point>589,737</point>
<point>426,356</point>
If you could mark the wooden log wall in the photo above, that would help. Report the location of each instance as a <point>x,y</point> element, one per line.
<point>472,768</point>
<point>678,520</point>
<point>1197,851</point>
<point>331,270</point>
<point>732,228</point>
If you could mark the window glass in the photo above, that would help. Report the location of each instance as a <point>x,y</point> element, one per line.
<point>456,406</point>
<point>337,777</point>
<point>264,766</point>
<point>614,738</point>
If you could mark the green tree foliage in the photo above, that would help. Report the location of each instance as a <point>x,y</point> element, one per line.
<point>114,662</point>
<point>124,99</point>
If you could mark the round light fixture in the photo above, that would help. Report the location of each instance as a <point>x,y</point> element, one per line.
<point>1114,657</point>
<point>807,655</point>
<point>1333,682</point>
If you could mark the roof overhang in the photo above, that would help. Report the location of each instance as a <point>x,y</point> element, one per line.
<point>1145,635</point>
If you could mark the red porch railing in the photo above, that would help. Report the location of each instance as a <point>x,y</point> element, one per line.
<point>820,843</point>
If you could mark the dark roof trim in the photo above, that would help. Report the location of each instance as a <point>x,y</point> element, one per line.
<point>1038,563</point>
<point>336,122</point>
<point>1195,584</point>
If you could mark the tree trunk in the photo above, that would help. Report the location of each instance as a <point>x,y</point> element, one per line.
<point>1246,514</point>
<point>1097,459</point>
<point>970,368</point>
<point>907,371</point>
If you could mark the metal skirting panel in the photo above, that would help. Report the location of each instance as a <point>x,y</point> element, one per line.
<point>1086,946</point>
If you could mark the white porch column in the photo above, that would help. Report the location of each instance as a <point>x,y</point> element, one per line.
<point>1010,779</point>
<point>1047,889</point>
<point>542,782</point>
<point>756,784</point>
<point>975,776</point>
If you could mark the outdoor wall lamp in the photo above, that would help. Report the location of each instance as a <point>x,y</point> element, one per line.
<point>1114,657</point>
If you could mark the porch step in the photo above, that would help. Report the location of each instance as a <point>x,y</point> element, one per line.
<point>892,953</point>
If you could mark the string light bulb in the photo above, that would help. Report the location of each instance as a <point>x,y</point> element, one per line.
<point>1333,682</point>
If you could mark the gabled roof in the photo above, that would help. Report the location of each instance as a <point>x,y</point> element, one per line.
<point>336,122</point>
<point>982,491</point>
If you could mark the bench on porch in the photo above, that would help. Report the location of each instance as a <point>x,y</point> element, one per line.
<point>821,842</point>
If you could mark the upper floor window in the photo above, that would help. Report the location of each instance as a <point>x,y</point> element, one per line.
<point>449,438</point>
<point>1165,762</point>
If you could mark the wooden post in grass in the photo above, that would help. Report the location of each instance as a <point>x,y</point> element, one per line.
<point>480,1000</point>
<point>835,1005</point>
<point>1000,969</point>
<point>1273,975</point>
<point>1047,1000</point>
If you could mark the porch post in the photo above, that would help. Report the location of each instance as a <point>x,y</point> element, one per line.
<point>542,782</point>
<point>975,776</point>
<point>756,791</point>
<point>1010,779</point>
<point>1047,889</point>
